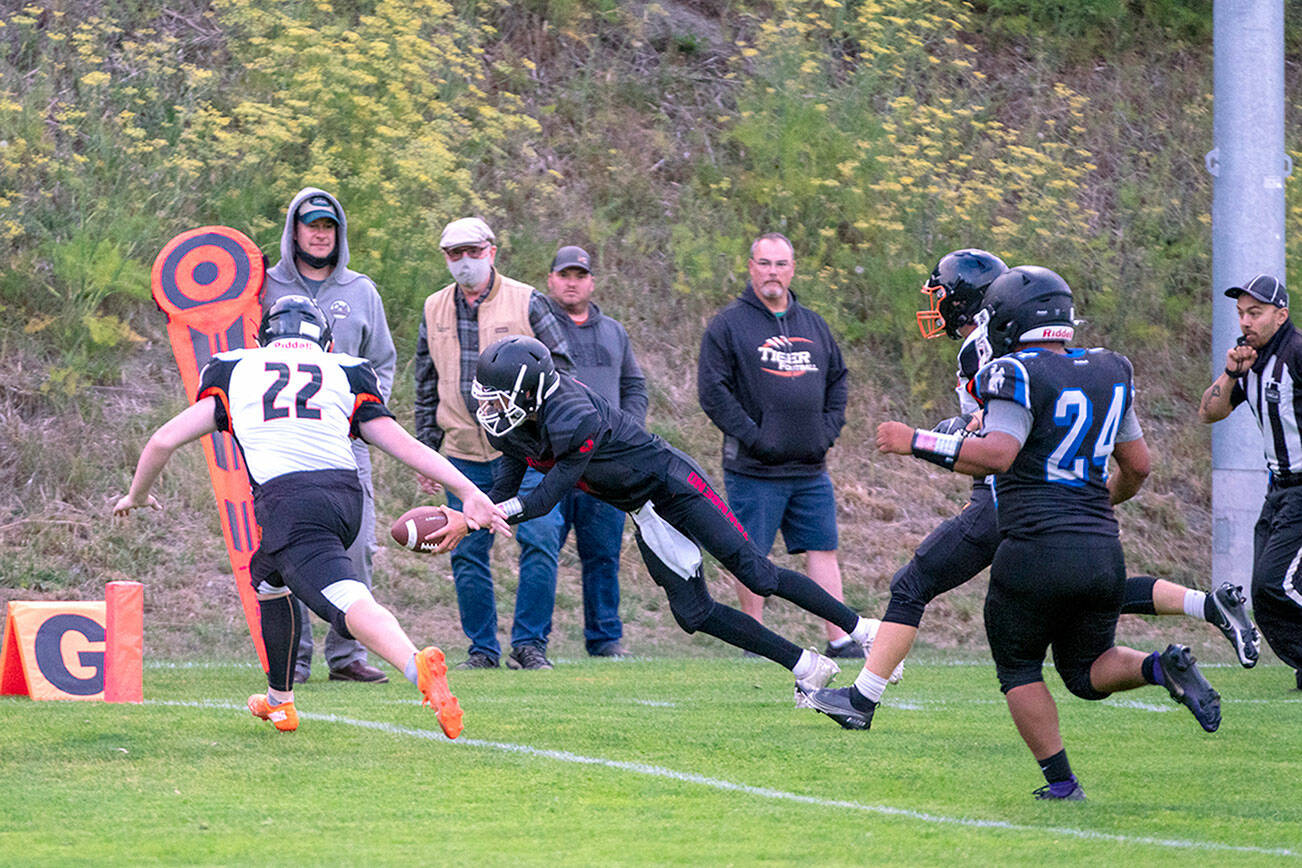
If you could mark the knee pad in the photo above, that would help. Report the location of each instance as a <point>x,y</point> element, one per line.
<point>689,602</point>
<point>908,596</point>
<point>1078,682</point>
<point>1010,677</point>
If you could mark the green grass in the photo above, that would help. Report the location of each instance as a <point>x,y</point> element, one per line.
<point>643,761</point>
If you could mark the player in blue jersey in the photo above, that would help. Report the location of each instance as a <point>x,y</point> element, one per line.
<point>965,544</point>
<point>541,418</point>
<point>1053,418</point>
<point>292,406</point>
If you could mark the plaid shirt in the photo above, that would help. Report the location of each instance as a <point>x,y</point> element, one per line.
<point>545,328</point>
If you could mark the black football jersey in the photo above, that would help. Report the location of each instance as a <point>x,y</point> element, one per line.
<point>1077,401</point>
<point>580,439</point>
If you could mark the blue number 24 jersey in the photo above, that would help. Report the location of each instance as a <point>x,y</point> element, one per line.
<point>1080,404</point>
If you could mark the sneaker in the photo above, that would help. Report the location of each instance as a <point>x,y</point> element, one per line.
<point>610,649</point>
<point>432,681</point>
<point>1228,607</point>
<point>528,657</point>
<point>1064,793</point>
<point>1187,686</point>
<point>873,626</point>
<point>850,650</point>
<point>283,717</point>
<point>359,670</point>
<point>478,661</point>
<point>824,671</point>
<point>837,705</point>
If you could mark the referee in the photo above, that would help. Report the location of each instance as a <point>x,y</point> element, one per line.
<point>1265,370</point>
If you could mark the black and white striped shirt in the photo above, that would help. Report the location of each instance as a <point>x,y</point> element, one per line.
<point>1273,392</point>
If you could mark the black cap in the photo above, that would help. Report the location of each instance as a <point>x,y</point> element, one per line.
<point>572,257</point>
<point>1263,287</point>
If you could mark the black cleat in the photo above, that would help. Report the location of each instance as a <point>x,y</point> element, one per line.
<point>1075,794</point>
<point>1187,686</point>
<point>836,704</point>
<point>848,651</point>
<point>1231,618</point>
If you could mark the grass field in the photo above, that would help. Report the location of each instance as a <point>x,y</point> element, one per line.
<point>644,761</point>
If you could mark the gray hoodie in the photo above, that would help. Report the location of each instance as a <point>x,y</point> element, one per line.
<point>360,328</point>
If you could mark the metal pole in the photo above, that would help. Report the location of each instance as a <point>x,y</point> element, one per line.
<point>1249,165</point>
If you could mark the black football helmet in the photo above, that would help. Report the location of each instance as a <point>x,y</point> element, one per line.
<point>513,377</point>
<point>1028,303</point>
<point>293,316</point>
<point>955,289</point>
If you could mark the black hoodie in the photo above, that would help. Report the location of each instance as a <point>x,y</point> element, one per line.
<point>775,385</point>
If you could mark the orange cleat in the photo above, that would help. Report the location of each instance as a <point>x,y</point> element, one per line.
<point>432,679</point>
<point>282,716</point>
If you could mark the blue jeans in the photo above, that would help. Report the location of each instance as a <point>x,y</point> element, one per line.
<point>540,541</point>
<point>598,535</point>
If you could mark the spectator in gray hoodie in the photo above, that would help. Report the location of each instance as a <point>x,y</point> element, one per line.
<point>314,262</point>
<point>604,362</point>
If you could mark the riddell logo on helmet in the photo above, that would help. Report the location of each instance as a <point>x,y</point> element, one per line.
<point>1050,333</point>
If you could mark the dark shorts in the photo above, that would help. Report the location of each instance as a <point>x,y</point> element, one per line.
<point>308,521</point>
<point>803,507</point>
<point>1062,591</point>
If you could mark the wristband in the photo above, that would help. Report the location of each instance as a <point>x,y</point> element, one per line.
<point>1239,376</point>
<point>939,449</point>
<point>512,507</point>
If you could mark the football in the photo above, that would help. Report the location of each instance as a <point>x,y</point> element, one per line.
<point>414,527</point>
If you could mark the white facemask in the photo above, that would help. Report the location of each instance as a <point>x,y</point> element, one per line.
<point>469,272</point>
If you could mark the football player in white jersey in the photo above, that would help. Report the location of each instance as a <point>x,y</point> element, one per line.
<point>292,406</point>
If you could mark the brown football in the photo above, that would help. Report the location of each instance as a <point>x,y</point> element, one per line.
<point>413,528</point>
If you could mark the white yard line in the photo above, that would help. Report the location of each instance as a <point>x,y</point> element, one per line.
<point>763,792</point>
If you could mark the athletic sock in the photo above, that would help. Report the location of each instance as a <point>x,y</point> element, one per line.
<point>870,685</point>
<point>805,665</point>
<point>1152,670</point>
<point>282,699</point>
<point>409,671</point>
<point>864,629</point>
<point>1199,605</point>
<point>1057,771</point>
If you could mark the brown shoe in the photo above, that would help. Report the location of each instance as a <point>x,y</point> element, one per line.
<point>359,671</point>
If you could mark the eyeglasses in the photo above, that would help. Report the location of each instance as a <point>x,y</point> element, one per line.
<point>470,250</point>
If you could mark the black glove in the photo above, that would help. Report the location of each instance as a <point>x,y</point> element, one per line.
<point>953,425</point>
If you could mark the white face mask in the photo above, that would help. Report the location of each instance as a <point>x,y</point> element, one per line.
<point>469,272</point>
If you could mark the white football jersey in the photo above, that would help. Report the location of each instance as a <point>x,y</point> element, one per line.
<point>292,406</point>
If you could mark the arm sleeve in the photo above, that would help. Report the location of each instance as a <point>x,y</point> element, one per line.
<point>1007,417</point>
<point>715,383</point>
<point>427,393</point>
<point>549,331</point>
<point>632,383</point>
<point>215,380</point>
<point>367,403</point>
<point>1129,429</point>
<point>507,475</point>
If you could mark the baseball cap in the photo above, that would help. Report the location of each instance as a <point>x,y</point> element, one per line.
<point>1263,287</point>
<point>467,230</point>
<point>572,257</point>
<point>313,208</point>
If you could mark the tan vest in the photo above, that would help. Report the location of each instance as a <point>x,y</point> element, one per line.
<point>504,312</point>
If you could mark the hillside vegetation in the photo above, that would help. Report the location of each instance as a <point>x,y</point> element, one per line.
<point>877,134</point>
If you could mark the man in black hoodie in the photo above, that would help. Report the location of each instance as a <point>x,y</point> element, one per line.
<point>1264,370</point>
<point>772,379</point>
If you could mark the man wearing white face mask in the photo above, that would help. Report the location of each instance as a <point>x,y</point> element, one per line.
<point>482,306</point>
